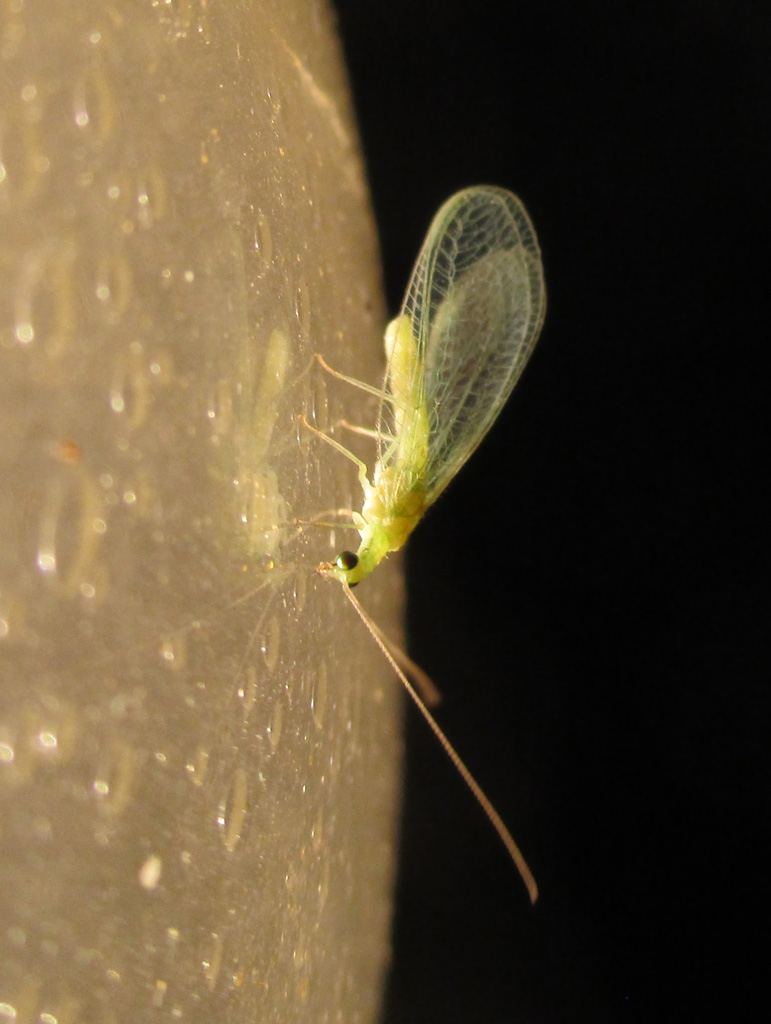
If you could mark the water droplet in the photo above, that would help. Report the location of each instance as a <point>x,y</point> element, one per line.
<point>159,994</point>
<point>46,560</point>
<point>213,962</point>
<point>300,590</point>
<point>302,308</point>
<point>317,831</point>
<point>250,691</point>
<point>270,644</point>
<point>233,813</point>
<point>319,695</point>
<point>197,768</point>
<point>274,729</point>
<point>174,652</point>
<point>150,872</point>
<point>263,241</point>
<point>114,778</point>
<point>151,195</point>
<point>24,333</point>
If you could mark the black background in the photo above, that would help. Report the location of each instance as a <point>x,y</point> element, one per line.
<point>588,594</point>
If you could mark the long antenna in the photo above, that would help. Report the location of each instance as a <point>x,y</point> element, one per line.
<point>468,778</point>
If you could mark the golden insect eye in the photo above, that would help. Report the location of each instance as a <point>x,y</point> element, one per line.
<point>347,560</point>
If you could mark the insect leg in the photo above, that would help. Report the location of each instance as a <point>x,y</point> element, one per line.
<point>318,519</point>
<point>363,479</point>
<point>364,431</point>
<point>369,388</point>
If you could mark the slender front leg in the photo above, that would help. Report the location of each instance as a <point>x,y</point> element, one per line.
<point>363,478</point>
<point>369,388</point>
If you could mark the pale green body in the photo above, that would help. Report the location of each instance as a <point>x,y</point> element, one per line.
<point>396,498</point>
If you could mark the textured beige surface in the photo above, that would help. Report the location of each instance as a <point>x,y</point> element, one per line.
<point>198,741</point>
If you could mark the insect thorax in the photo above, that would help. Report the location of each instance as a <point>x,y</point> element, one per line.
<point>394,504</point>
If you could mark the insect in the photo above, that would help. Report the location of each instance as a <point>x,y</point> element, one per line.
<point>469,321</point>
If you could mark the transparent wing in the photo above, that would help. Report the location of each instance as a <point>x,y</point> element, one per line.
<point>474,307</point>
